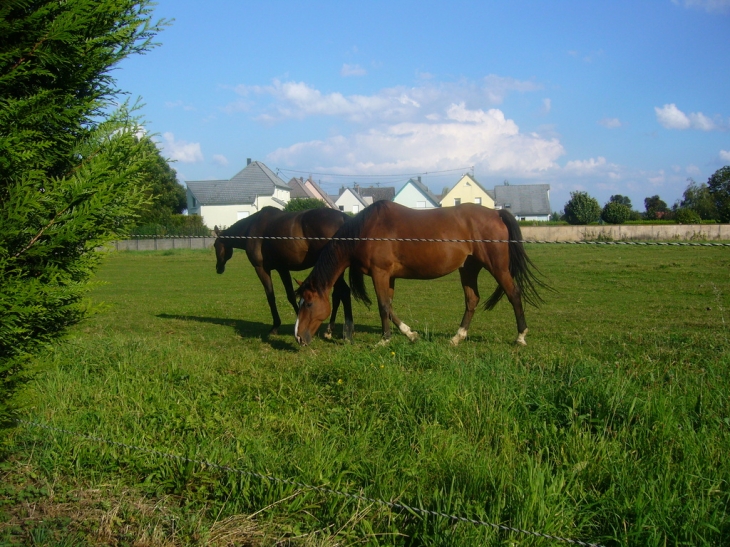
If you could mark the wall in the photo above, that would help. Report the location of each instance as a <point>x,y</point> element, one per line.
<point>667,232</point>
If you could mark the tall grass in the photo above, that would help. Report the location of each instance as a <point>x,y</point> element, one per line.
<point>611,426</point>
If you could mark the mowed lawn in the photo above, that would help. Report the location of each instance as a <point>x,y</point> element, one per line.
<point>611,427</point>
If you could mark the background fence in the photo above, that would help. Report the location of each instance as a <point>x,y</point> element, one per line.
<point>659,232</point>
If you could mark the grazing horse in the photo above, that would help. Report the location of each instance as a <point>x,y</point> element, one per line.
<point>393,258</point>
<point>284,255</point>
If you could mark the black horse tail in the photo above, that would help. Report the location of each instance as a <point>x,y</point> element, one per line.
<point>521,268</point>
<point>357,285</point>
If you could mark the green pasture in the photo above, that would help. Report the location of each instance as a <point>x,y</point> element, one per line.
<point>612,426</point>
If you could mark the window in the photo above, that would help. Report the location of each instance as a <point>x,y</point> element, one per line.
<point>457,201</point>
<point>342,208</point>
<point>242,214</point>
<point>420,204</point>
<point>478,201</point>
<point>355,209</point>
<point>195,202</point>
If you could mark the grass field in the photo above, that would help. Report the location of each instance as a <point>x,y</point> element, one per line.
<point>612,426</point>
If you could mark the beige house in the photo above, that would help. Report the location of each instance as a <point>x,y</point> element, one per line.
<point>467,190</point>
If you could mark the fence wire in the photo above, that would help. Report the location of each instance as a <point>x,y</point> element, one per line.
<point>438,240</point>
<point>401,507</point>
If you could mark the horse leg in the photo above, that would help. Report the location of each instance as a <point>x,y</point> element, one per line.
<point>336,299</point>
<point>265,277</point>
<point>289,288</point>
<point>341,293</point>
<point>405,329</point>
<point>382,293</point>
<point>469,274</point>
<point>514,294</point>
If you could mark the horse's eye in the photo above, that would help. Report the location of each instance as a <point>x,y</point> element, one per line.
<point>309,304</point>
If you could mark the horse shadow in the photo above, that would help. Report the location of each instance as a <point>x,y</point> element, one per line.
<point>254,329</point>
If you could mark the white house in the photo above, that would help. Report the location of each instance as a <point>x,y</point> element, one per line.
<point>223,202</point>
<point>350,201</point>
<point>524,201</point>
<point>416,195</point>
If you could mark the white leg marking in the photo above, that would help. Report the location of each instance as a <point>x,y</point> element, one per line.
<point>460,335</point>
<point>383,342</point>
<point>405,329</point>
<point>296,329</point>
<point>328,334</point>
<point>521,338</point>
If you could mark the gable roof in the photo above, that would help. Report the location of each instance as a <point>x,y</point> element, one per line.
<point>524,199</point>
<point>378,193</point>
<point>471,179</point>
<point>357,196</point>
<point>298,190</point>
<point>253,180</point>
<point>423,189</point>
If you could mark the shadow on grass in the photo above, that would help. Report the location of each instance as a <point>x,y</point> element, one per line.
<point>254,329</point>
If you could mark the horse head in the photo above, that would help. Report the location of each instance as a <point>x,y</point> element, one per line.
<point>223,252</point>
<point>314,308</point>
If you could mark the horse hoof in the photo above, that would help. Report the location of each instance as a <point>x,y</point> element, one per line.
<point>327,335</point>
<point>412,336</point>
<point>521,338</point>
<point>274,331</point>
<point>383,342</point>
<point>460,335</point>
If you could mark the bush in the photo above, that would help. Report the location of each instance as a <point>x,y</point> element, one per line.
<point>615,213</point>
<point>685,215</point>
<point>302,204</point>
<point>174,225</point>
<point>582,209</point>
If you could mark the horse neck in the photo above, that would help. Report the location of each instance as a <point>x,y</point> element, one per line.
<point>332,261</point>
<point>240,228</point>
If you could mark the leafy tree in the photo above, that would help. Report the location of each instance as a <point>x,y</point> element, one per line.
<point>167,194</point>
<point>697,198</point>
<point>719,188</point>
<point>302,204</point>
<point>623,200</point>
<point>616,212</point>
<point>684,215</point>
<point>582,209</point>
<point>655,208</point>
<point>72,171</point>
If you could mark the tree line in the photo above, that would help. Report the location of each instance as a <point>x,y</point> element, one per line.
<point>708,201</point>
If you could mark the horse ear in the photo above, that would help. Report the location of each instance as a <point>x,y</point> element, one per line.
<point>215,229</point>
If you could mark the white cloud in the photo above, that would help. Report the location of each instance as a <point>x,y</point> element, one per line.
<point>725,155</point>
<point>464,137</point>
<point>671,117</point>
<point>547,106</point>
<point>220,159</point>
<point>610,123</point>
<point>286,100</point>
<point>182,151</point>
<point>497,87</point>
<point>719,6</point>
<point>352,70</point>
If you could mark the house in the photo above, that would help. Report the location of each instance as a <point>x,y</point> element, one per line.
<point>468,190</point>
<point>350,201</point>
<point>416,195</point>
<point>301,188</point>
<point>377,193</point>
<point>223,202</point>
<point>525,201</point>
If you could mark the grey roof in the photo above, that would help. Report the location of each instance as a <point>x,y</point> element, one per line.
<point>523,199</point>
<point>423,189</point>
<point>254,180</point>
<point>298,190</point>
<point>378,193</point>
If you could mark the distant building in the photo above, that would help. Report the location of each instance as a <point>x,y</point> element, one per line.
<point>377,193</point>
<point>468,190</point>
<point>301,188</point>
<point>416,195</point>
<point>524,201</point>
<point>223,202</point>
<point>350,201</point>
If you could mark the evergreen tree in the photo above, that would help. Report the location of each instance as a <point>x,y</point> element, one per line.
<point>72,171</point>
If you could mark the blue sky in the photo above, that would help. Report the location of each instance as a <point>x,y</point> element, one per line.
<point>621,97</point>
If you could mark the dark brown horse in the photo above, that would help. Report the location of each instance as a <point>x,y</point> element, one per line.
<point>386,261</point>
<point>285,255</point>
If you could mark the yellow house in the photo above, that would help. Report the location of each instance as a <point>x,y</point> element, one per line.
<point>467,190</point>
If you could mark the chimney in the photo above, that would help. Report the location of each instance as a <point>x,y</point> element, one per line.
<point>248,161</point>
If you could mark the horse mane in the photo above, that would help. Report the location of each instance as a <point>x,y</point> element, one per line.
<point>340,249</point>
<point>241,226</point>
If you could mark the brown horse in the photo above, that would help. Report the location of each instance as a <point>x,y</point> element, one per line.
<point>386,261</point>
<point>285,255</point>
